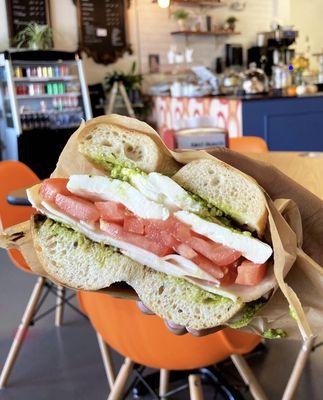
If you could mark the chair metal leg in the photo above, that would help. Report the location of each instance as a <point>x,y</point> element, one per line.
<point>107,360</point>
<point>195,387</point>
<point>22,329</point>
<point>121,380</point>
<point>59,305</point>
<point>248,377</point>
<point>163,382</point>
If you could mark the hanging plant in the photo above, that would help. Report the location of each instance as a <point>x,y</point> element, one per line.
<point>35,37</point>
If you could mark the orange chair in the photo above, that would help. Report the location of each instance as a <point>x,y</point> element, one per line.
<point>145,340</point>
<point>248,144</point>
<point>15,175</point>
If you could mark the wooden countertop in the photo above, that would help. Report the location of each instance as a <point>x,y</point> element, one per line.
<point>306,168</point>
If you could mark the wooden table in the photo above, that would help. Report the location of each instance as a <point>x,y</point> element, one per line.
<point>305,168</point>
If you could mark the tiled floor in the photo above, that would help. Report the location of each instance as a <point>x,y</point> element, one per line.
<point>64,363</point>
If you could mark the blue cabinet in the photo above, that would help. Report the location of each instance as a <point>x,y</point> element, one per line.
<point>287,124</point>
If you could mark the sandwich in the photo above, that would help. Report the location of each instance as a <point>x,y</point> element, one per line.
<point>191,240</point>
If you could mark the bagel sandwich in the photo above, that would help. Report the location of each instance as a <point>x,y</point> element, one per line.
<point>189,239</point>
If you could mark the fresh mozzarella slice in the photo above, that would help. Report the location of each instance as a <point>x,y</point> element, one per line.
<point>161,188</point>
<point>251,248</point>
<point>103,188</point>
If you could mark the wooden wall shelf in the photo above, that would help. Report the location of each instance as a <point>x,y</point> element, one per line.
<point>194,33</point>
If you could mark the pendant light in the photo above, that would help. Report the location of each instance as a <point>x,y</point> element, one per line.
<point>163,3</point>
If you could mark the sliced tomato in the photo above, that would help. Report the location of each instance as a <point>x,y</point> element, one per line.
<point>133,224</point>
<point>229,278</point>
<point>112,229</point>
<point>250,273</point>
<point>118,232</point>
<point>111,211</point>
<point>185,250</point>
<point>157,225</point>
<point>208,266</point>
<point>50,187</point>
<point>77,207</point>
<point>219,254</point>
<point>181,232</point>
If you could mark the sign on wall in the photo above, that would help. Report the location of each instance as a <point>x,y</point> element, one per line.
<point>102,29</point>
<point>22,12</point>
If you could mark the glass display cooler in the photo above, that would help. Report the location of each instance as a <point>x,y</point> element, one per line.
<point>43,98</point>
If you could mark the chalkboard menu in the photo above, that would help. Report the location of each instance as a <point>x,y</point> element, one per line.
<point>102,29</point>
<point>22,12</point>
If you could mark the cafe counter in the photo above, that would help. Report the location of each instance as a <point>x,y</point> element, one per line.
<point>287,123</point>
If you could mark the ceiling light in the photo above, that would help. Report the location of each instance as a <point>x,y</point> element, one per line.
<point>163,3</point>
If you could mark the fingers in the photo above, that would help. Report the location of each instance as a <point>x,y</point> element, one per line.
<point>176,329</point>
<point>204,332</point>
<point>144,309</point>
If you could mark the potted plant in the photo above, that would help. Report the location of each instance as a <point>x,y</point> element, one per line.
<point>35,37</point>
<point>181,17</point>
<point>231,23</point>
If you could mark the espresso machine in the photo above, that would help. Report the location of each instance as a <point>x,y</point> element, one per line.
<point>273,48</point>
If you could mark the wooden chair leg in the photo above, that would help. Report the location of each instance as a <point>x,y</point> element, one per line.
<point>107,360</point>
<point>248,377</point>
<point>22,329</point>
<point>163,382</point>
<point>195,387</point>
<point>121,380</point>
<point>59,305</point>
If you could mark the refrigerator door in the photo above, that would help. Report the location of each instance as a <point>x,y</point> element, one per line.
<point>10,126</point>
<point>44,97</point>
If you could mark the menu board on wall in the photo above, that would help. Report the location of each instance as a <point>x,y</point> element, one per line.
<point>102,29</point>
<point>22,12</point>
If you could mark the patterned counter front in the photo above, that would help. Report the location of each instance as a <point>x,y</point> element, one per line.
<point>228,112</point>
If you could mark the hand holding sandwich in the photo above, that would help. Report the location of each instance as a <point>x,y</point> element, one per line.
<point>192,240</point>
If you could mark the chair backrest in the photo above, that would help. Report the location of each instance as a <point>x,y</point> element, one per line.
<point>248,144</point>
<point>146,340</point>
<point>14,175</point>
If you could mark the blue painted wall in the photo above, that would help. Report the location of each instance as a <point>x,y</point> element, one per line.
<point>287,124</point>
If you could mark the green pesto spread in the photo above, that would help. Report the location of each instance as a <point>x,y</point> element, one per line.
<point>248,313</point>
<point>101,252</point>
<point>274,334</point>
<point>221,216</point>
<point>116,169</point>
<point>197,295</point>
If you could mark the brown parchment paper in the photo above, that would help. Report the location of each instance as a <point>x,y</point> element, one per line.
<point>300,279</point>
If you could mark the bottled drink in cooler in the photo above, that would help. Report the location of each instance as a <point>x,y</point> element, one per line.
<point>50,72</point>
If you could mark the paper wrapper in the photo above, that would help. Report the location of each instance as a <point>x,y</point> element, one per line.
<point>300,290</point>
